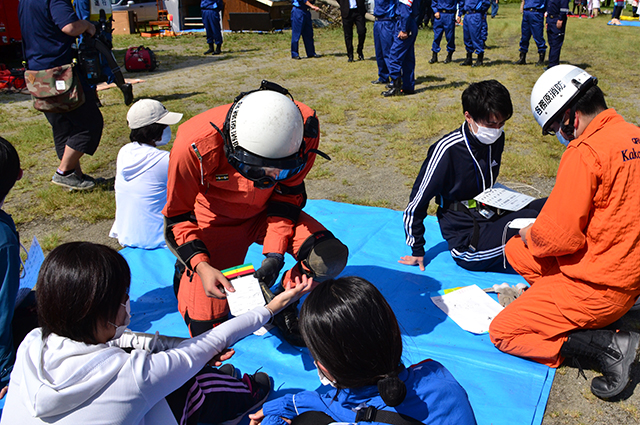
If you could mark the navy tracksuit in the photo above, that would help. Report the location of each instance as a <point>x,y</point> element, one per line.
<point>301,25</point>
<point>402,57</point>
<point>383,33</point>
<point>474,30</point>
<point>533,25</point>
<point>446,24</point>
<point>451,174</point>
<point>211,10</point>
<point>556,11</point>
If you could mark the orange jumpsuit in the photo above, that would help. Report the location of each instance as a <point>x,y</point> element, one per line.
<point>231,213</point>
<point>583,250</point>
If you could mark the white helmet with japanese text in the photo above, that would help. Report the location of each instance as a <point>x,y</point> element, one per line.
<point>555,91</point>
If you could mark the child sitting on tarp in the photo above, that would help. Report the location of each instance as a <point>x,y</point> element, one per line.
<point>355,340</point>
<point>141,176</point>
<point>75,369</point>
<point>10,172</point>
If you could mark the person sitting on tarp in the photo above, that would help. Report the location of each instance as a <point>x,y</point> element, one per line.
<point>356,344</point>
<point>236,176</point>
<point>141,176</point>
<point>82,366</point>
<point>581,255</point>
<point>460,166</point>
<point>10,172</point>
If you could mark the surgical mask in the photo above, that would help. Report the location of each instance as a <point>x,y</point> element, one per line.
<point>561,138</point>
<point>487,136</point>
<point>323,379</point>
<point>166,137</point>
<point>120,329</point>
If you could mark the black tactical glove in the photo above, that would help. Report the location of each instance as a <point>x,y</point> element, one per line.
<point>269,270</point>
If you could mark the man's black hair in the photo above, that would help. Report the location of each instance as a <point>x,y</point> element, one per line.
<point>148,134</point>
<point>486,98</point>
<point>9,167</point>
<point>591,102</point>
<point>80,286</point>
<point>351,330</point>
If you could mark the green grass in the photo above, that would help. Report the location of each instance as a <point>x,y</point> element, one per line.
<point>360,129</point>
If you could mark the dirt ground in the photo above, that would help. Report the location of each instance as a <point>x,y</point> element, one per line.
<point>570,402</point>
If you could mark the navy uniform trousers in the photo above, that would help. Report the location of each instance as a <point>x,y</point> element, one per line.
<point>382,40</point>
<point>211,21</point>
<point>445,25</point>
<point>301,25</point>
<point>532,25</point>
<point>473,32</point>
<point>402,57</point>
<point>555,36</point>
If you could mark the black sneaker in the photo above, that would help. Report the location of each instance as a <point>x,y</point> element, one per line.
<point>287,322</point>
<point>73,181</point>
<point>260,386</point>
<point>228,369</point>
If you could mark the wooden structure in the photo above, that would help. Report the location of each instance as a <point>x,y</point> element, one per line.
<point>239,15</point>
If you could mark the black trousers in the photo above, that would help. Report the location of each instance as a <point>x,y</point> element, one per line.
<point>354,17</point>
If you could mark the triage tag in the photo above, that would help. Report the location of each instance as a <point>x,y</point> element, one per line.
<point>248,294</point>
<point>60,85</point>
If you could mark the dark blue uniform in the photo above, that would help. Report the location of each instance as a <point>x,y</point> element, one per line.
<point>556,11</point>
<point>211,20</point>
<point>475,17</point>
<point>383,33</point>
<point>301,25</point>
<point>533,24</point>
<point>446,24</point>
<point>402,57</point>
<point>458,168</point>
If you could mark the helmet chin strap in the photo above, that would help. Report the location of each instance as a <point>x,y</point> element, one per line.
<point>569,129</point>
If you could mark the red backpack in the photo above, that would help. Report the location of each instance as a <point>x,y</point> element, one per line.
<point>140,59</point>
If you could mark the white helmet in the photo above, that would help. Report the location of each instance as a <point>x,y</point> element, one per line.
<point>266,123</point>
<point>264,135</point>
<point>555,90</point>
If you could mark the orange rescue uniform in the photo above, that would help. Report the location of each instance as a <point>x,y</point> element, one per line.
<point>583,250</point>
<point>231,213</point>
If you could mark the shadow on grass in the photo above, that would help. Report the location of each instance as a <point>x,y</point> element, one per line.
<point>175,96</point>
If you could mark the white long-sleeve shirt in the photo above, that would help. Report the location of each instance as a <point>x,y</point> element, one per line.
<point>62,381</point>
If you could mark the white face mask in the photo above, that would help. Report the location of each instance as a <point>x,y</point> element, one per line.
<point>486,135</point>
<point>120,329</point>
<point>323,379</point>
<point>166,137</point>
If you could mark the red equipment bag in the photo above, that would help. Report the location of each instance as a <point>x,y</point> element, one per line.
<point>140,59</point>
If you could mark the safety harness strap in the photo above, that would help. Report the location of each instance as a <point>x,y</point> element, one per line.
<point>368,414</point>
<point>285,210</point>
<point>186,251</point>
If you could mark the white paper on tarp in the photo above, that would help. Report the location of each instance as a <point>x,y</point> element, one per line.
<point>246,297</point>
<point>501,197</point>
<point>29,277</point>
<point>470,307</point>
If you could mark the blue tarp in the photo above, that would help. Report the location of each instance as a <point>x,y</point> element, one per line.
<point>502,389</point>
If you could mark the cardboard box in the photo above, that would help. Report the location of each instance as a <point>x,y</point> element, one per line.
<point>124,22</point>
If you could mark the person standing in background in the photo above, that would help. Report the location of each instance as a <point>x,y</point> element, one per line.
<point>557,11</point>
<point>532,25</point>
<point>211,10</point>
<point>352,12</point>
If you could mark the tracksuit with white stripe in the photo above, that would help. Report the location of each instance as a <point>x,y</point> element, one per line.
<point>458,168</point>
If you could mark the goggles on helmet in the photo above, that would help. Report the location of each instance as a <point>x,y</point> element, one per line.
<point>265,172</point>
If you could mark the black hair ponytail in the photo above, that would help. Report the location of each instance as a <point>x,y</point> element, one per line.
<point>392,389</point>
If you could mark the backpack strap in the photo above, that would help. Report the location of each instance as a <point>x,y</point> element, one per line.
<point>371,414</point>
<point>368,414</point>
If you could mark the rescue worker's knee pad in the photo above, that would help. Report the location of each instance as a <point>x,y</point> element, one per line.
<point>323,256</point>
